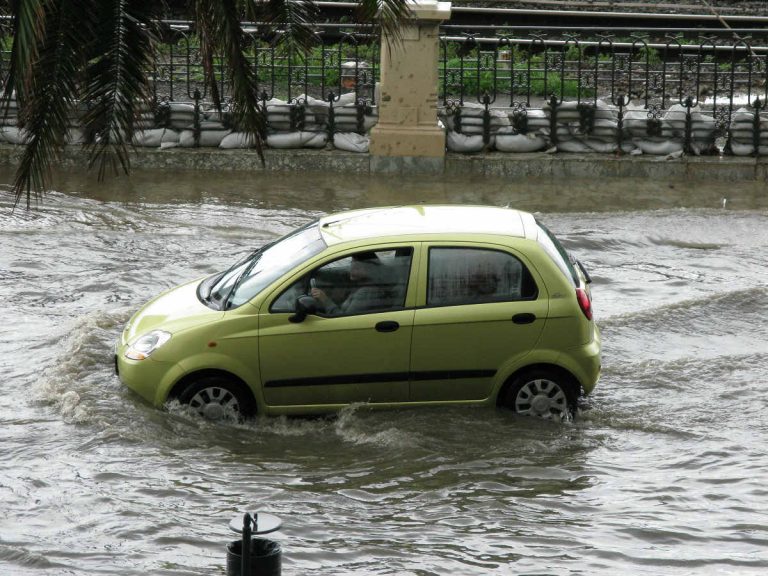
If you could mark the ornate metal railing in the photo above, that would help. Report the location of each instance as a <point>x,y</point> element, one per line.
<point>523,89</point>
<point>329,89</point>
<point>533,91</point>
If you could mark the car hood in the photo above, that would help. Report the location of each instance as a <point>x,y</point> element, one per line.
<point>173,311</point>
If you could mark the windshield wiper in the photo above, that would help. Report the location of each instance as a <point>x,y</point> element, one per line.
<point>254,257</point>
<point>206,286</point>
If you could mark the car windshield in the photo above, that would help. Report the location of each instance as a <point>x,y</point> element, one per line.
<point>246,279</point>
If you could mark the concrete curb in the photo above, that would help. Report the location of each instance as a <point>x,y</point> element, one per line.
<point>496,164</point>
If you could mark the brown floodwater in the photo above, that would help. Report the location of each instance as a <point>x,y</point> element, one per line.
<point>663,472</point>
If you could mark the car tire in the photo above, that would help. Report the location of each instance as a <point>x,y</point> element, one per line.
<point>545,394</point>
<point>216,397</point>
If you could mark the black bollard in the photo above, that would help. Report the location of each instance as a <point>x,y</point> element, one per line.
<point>264,557</point>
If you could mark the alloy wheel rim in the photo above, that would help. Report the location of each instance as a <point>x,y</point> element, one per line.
<point>214,403</point>
<point>542,398</point>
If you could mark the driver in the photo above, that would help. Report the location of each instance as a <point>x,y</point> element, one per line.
<point>367,292</point>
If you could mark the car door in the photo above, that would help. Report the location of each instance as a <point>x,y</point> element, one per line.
<point>480,307</point>
<point>353,355</point>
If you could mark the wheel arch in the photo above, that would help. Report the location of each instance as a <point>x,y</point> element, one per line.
<point>191,377</point>
<point>555,369</point>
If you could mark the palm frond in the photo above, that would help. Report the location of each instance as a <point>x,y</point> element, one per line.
<point>389,15</point>
<point>293,20</point>
<point>116,86</point>
<point>219,27</point>
<point>27,29</point>
<point>49,89</point>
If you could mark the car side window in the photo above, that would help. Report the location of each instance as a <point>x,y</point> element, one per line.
<point>460,276</point>
<point>364,282</point>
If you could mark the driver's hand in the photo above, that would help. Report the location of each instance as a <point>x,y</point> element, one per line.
<point>319,295</point>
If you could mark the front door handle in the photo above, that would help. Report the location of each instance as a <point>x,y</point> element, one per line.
<point>525,318</point>
<point>387,326</point>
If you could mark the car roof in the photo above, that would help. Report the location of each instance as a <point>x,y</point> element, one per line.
<point>418,220</point>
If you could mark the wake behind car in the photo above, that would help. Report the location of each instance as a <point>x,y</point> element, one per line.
<point>393,307</point>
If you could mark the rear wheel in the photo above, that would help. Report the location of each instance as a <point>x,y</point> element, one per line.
<point>216,398</point>
<point>543,394</point>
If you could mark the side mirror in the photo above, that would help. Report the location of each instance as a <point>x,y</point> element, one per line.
<point>305,305</point>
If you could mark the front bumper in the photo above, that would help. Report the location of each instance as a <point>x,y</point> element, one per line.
<point>145,377</point>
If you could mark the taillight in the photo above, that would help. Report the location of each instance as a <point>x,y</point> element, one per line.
<point>584,302</point>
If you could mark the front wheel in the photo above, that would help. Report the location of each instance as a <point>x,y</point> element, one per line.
<point>216,398</point>
<point>542,394</point>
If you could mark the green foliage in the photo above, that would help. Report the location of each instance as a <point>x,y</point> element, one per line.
<point>651,54</point>
<point>477,81</point>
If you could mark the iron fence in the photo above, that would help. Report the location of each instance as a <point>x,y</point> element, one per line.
<point>522,89</point>
<point>574,92</point>
<point>326,90</point>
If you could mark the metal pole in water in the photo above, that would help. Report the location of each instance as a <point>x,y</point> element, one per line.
<point>258,556</point>
<point>245,565</point>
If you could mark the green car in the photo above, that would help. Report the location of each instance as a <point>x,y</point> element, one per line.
<point>393,307</point>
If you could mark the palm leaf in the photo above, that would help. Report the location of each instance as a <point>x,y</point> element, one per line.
<point>117,88</point>
<point>48,89</point>
<point>389,15</point>
<point>27,29</point>
<point>220,30</point>
<point>293,21</point>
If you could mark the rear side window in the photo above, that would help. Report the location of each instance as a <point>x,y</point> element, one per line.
<point>557,253</point>
<point>460,276</point>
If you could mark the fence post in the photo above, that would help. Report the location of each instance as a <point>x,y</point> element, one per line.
<point>758,106</point>
<point>196,129</point>
<point>407,124</point>
<point>688,140</point>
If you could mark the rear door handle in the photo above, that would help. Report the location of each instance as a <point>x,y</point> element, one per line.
<point>525,318</point>
<point>387,326</point>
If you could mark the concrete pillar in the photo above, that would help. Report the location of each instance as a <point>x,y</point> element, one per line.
<point>407,124</point>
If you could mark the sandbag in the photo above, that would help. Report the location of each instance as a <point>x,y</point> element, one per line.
<point>298,139</point>
<point>464,143</point>
<point>14,135</point>
<point>351,142</point>
<point>574,145</point>
<point>345,119</point>
<point>519,142</point>
<point>155,137</point>
<point>318,140</point>
<point>744,149</point>
<point>181,115</point>
<point>658,147</point>
<point>237,140</point>
<point>472,119</point>
<point>208,138</point>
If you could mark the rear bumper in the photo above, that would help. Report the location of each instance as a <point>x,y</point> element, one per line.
<point>585,362</point>
<point>593,363</point>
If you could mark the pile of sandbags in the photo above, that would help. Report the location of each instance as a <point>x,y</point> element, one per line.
<point>532,139</point>
<point>742,133</point>
<point>11,133</point>
<point>304,122</point>
<point>668,137</point>
<point>284,128</point>
<point>465,127</point>
<point>346,123</point>
<point>575,134</point>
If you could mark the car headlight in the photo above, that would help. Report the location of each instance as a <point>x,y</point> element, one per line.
<point>143,346</point>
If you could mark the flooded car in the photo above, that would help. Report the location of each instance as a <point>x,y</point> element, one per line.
<point>393,307</point>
